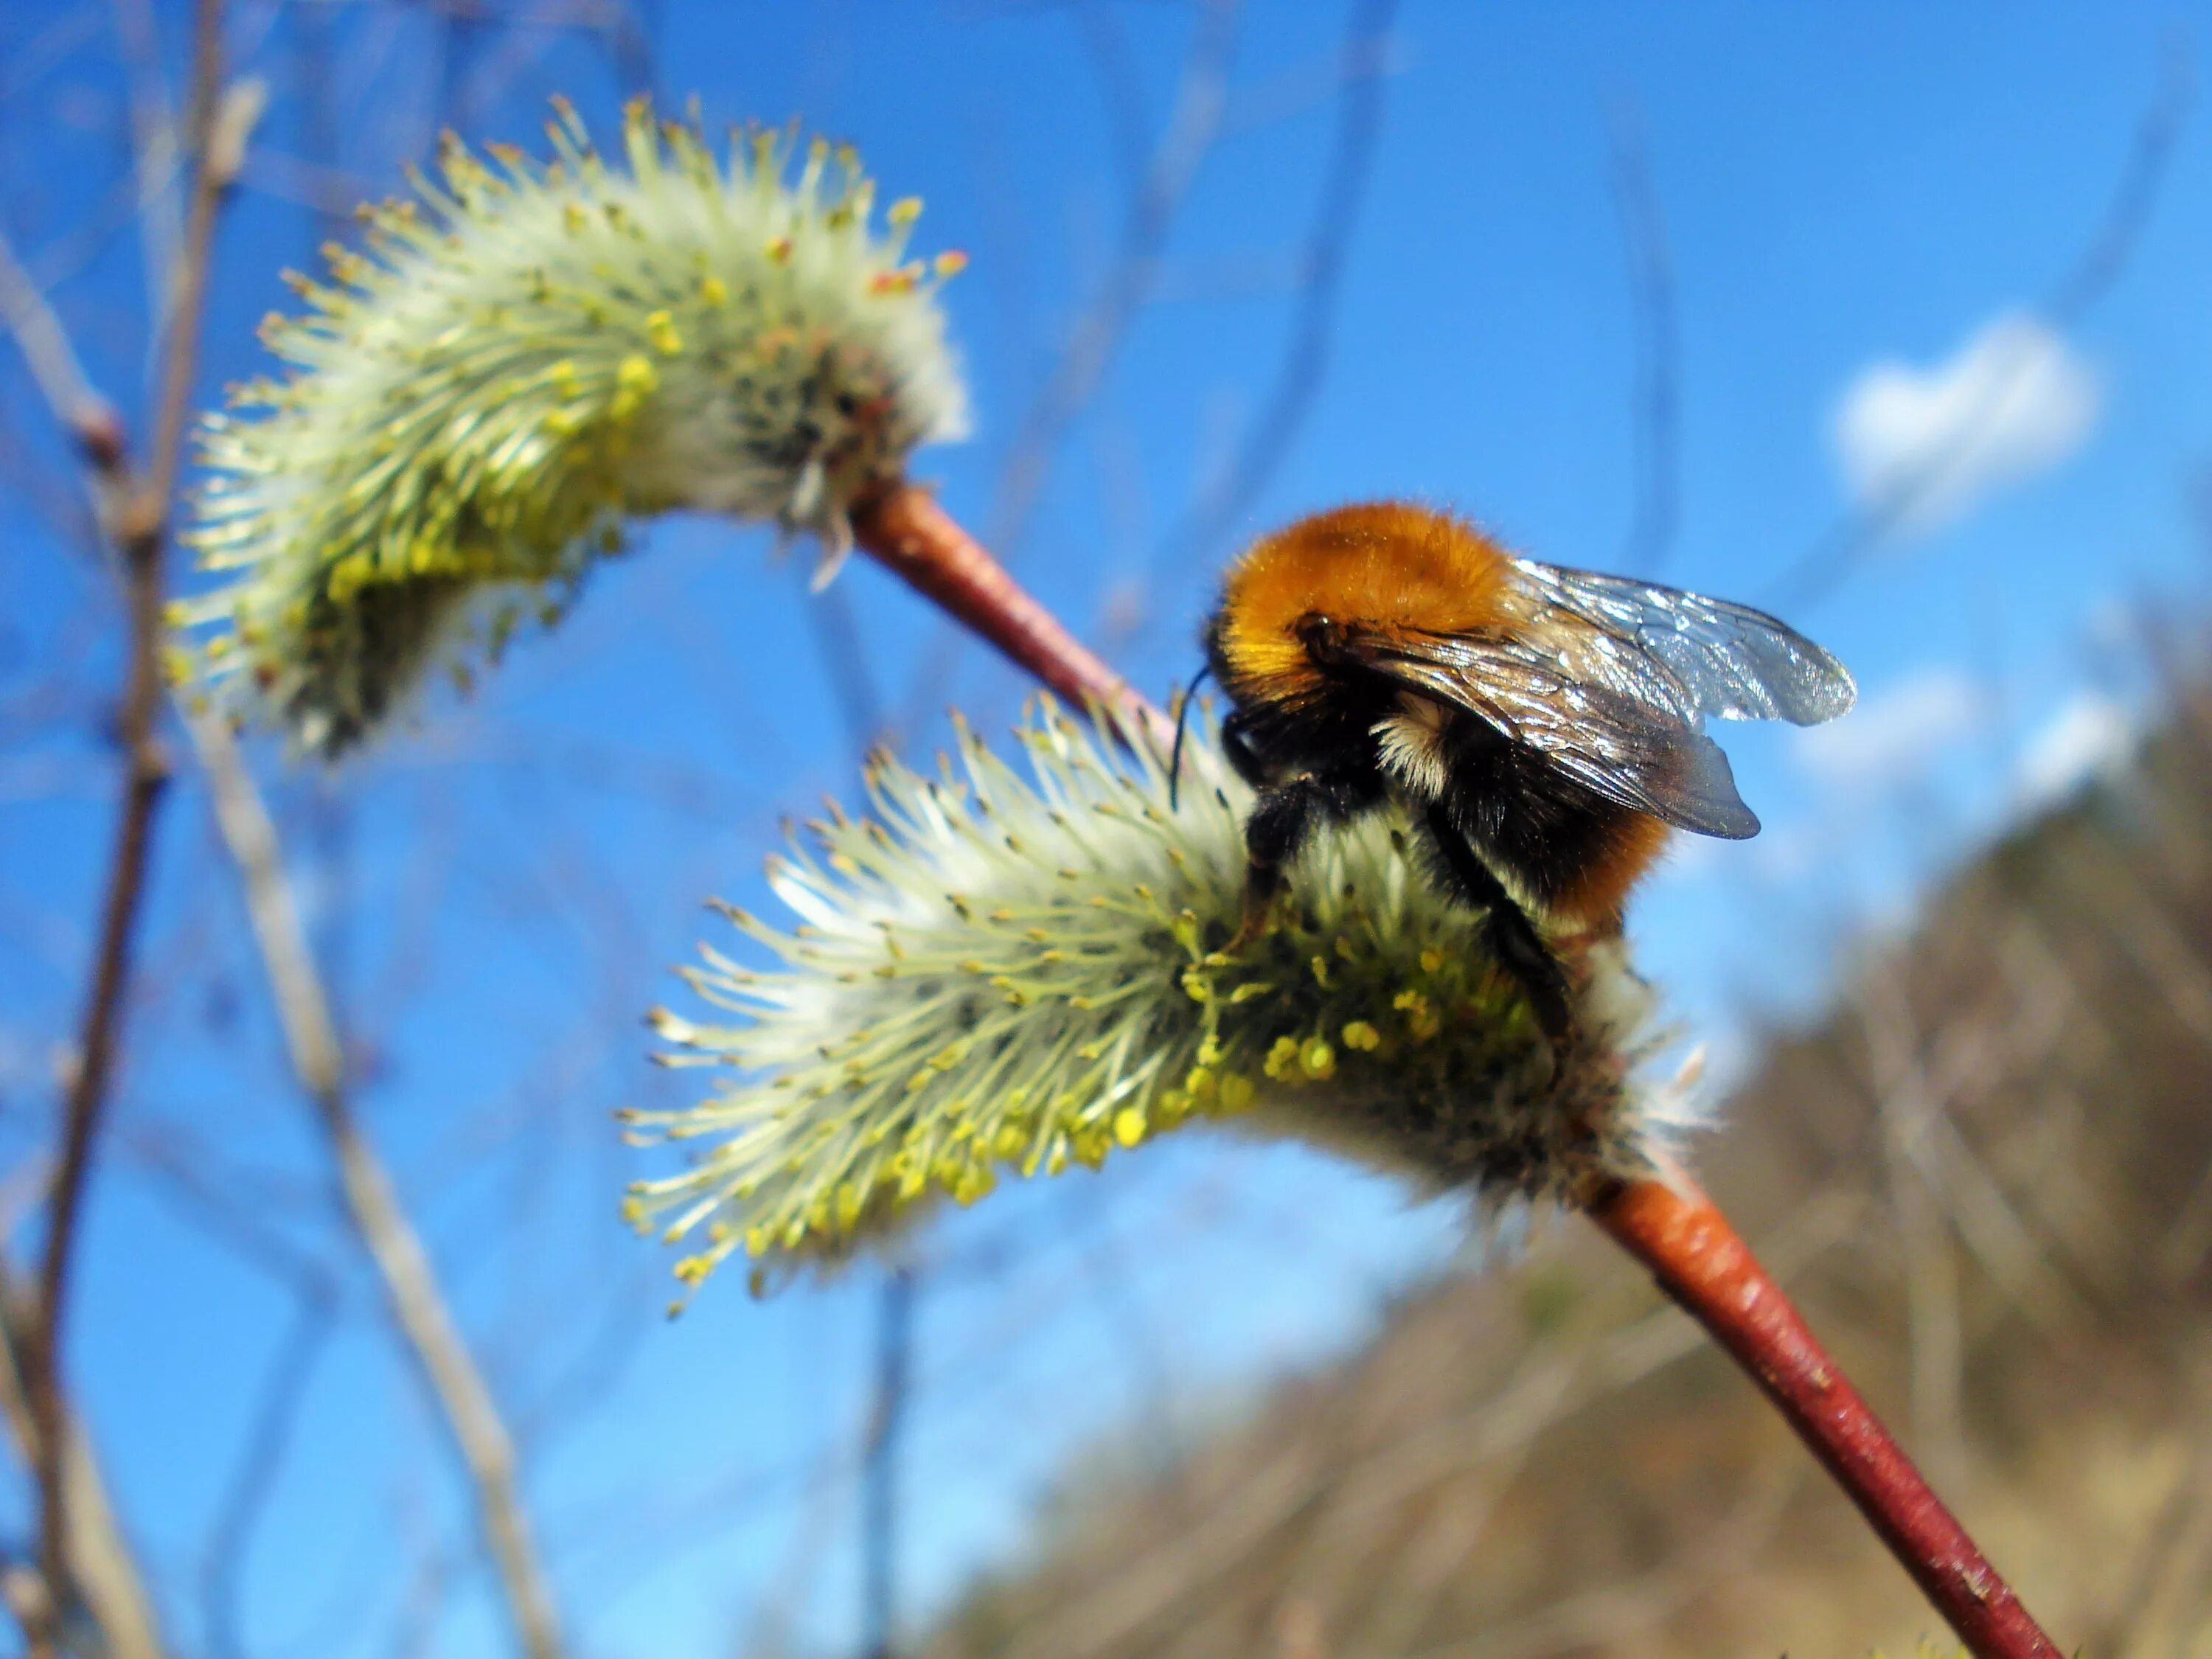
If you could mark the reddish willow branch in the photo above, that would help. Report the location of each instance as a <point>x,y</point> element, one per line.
<point>1674,1229</point>
<point>1700,1261</point>
<point>905,529</point>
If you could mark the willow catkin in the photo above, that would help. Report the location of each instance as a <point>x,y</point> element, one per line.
<point>523,362</point>
<point>1006,971</point>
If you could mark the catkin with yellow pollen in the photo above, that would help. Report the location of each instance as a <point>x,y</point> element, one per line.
<point>1001,972</point>
<point>523,361</point>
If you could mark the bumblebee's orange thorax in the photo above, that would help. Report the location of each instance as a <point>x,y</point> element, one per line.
<point>1386,563</point>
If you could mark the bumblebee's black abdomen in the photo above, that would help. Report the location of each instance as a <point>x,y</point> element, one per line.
<point>1569,851</point>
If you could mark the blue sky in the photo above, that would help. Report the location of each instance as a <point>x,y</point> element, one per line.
<point>1852,198</point>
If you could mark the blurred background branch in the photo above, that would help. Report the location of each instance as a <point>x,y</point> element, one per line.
<point>102,1568</point>
<point>136,509</point>
<point>1363,63</point>
<point>1656,408</point>
<point>1083,360</point>
<point>416,1304</point>
<point>2098,269</point>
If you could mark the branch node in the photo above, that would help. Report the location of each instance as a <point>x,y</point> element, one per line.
<point>100,436</point>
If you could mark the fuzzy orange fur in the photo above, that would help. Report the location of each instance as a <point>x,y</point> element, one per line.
<point>1398,564</point>
<point>1598,893</point>
<point>1380,561</point>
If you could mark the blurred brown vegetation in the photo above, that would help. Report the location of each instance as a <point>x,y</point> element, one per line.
<point>1987,1174</point>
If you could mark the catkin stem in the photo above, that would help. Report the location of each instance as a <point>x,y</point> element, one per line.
<point>1669,1226</point>
<point>907,532</point>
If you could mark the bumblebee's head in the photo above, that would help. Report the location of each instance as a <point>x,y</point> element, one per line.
<point>1390,563</point>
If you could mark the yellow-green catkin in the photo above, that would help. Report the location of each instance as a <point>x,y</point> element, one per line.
<point>1002,972</point>
<point>522,360</point>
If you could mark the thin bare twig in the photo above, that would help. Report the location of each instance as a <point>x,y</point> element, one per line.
<point>137,515</point>
<point>2175,1575</point>
<point>2134,197</point>
<point>411,1291</point>
<point>145,774</point>
<point>83,413</point>
<point>1320,264</point>
<point>154,156</point>
<point>37,57</point>
<point>879,1524</point>
<point>1658,345</point>
<point>104,1571</point>
<point>283,1396</point>
<point>1200,103</point>
<point>1119,88</point>
<point>1201,100</point>
<point>139,512</point>
<point>1615,1615</point>
<point>846,662</point>
<point>1837,552</point>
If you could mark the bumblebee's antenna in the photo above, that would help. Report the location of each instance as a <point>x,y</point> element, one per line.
<point>1183,719</point>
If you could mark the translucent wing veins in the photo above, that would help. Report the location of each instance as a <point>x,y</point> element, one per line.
<point>1722,659</point>
<point>1611,680</point>
<point>1625,749</point>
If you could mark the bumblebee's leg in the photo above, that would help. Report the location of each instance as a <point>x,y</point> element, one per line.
<point>1282,821</point>
<point>1513,938</point>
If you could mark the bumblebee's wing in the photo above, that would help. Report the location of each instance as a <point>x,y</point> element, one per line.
<point>1722,659</point>
<point>1626,749</point>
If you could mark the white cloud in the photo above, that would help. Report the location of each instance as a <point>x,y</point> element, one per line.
<point>1893,735</point>
<point>1931,444</point>
<point>2091,734</point>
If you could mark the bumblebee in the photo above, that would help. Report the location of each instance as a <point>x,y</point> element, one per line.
<point>1541,728</point>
